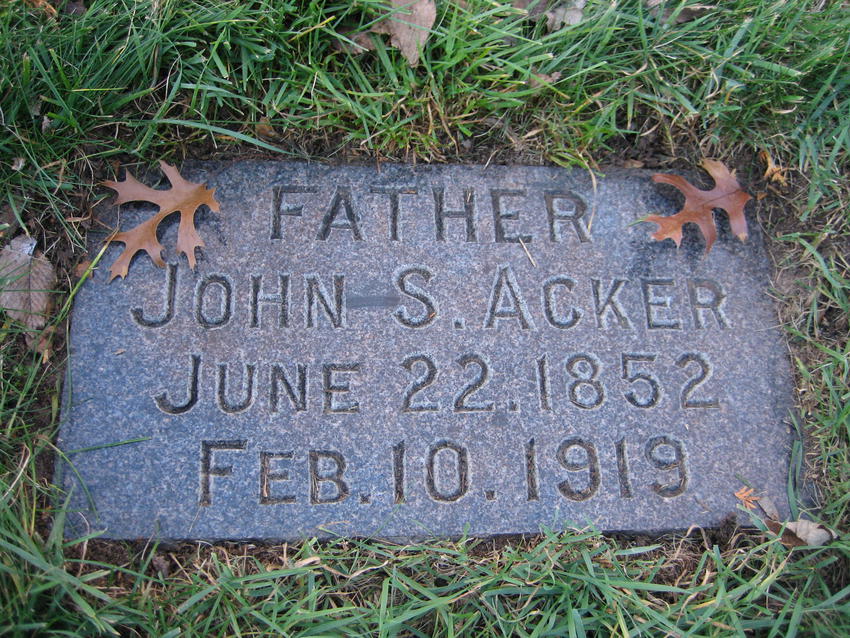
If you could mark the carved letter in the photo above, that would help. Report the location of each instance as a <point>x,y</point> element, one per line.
<point>267,477</point>
<point>170,294</point>
<point>333,387</point>
<point>281,299</point>
<point>394,192</point>
<point>207,468</point>
<point>505,287</point>
<point>468,213</point>
<point>168,407</point>
<point>225,304</point>
<point>650,302</point>
<point>499,216</point>
<point>573,212</point>
<point>278,208</point>
<point>298,402</point>
<point>247,389</point>
<point>429,312</point>
<point>318,295</point>
<point>611,303</point>
<point>342,199</point>
<point>334,476</point>
<point>563,321</point>
<point>713,303</point>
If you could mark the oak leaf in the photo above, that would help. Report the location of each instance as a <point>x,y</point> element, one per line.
<point>408,26</point>
<point>699,204</point>
<point>26,281</point>
<point>183,196</point>
<point>801,533</point>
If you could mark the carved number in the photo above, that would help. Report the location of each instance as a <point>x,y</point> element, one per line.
<point>664,464</point>
<point>584,368</point>
<point>590,464</point>
<point>653,394</point>
<point>694,382</point>
<point>473,386</point>
<point>420,384</point>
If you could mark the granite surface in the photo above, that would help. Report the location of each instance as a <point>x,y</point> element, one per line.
<point>415,351</point>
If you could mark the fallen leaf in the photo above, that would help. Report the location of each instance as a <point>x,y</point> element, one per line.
<point>568,13</point>
<point>162,565</point>
<point>408,26</point>
<point>266,131</point>
<point>26,282</point>
<point>541,79</point>
<point>745,495</point>
<point>43,5</point>
<point>662,9</point>
<point>305,562</point>
<point>699,204</point>
<point>360,43</point>
<point>533,8</point>
<point>42,345</point>
<point>772,172</point>
<point>81,268</point>
<point>801,533</point>
<point>769,508</point>
<point>75,8</point>
<point>183,196</point>
<point>8,221</point>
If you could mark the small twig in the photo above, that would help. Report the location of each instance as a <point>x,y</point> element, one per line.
<point>527,254</point>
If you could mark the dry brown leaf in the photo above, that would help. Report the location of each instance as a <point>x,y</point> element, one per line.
<point>26,282</point>
<point>567,13</point>
<point>801,533</point>
<point>43,343</point>
<point>81,268</point>
<point>75,8</point>
<point>541,79</point>
<point>769,508</point>
<point>772,172</point>
<point>183,196</point>
<point>360,43</point>
<point>43,5</point>
<point>699,204</point>
<point>8,221</point>
<point>408,26</point>
<point>533,8</point>
<point>663,9</point>
<point>265,130</point>
<point>745,495</point>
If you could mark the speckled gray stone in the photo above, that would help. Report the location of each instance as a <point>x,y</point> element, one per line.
<point>373,352</point>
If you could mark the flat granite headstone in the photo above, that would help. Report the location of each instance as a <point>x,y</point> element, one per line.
<point>408,351</point>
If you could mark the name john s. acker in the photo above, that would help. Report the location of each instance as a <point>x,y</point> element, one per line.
<point>286,300</point>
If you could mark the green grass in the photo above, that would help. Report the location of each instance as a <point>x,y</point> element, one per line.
<point>149,79</point>
<point>139,81</point>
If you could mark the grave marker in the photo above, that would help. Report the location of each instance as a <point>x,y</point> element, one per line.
<point>417,351</point>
